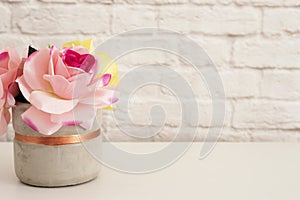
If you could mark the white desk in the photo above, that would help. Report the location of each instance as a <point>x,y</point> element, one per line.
<point>233,171</point>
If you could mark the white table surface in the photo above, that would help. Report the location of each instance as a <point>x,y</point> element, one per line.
<point>233,171</point>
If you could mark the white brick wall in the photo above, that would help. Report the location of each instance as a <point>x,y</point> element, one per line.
<point>254,44</point>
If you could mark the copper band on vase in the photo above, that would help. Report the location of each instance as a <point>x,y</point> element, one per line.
<point>57,140</point>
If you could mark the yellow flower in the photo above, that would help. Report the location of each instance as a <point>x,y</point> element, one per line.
<point>108,66</point>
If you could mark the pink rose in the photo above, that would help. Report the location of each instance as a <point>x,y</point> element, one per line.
<point>9,63</point>
<point>63,89</point>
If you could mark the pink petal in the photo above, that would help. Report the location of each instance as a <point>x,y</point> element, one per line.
<point>13,88</point>
<point>73,71</point>
<point>8,78</point>
<point>4,120</point>
<point>105,79</point>
<point>99,82</point>
<point>81,84</point>
<point>24,87</point>
<point>1,91</point>
<point>61,86</point>
<point>76,116</point>
<point>14,59</point>
<point>4,58</point>
<point>72,58</point>
<point>82,78</point>
<point>40,121</point>
<point>61,69</point>
<point>3,70</point>
<point>69,90</point>
<point>21,67</point>
<point>2,103</point>
<point>10,100</point>
<point>80,50</point>
<point>89,64</point>
<point>71,123</point>
<point>53,58</point>
<point>35,67</point>
<point>101,98</point>
<point>51,103</point>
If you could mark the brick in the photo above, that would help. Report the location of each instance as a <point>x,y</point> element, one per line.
<point>276,3</point>
<point>211,2</point>
<point>127,18</point>
<point>241,83</point>
<point>206,114</point>
<point>147,57</point>
<point>62,20</point>
<point>140,113</point>
<point>58,41</point>
<point>15,1</point>
<point>14,40</point>
<point>218,49</point>
<point>281,84</point>
<point>201,135</point>
<point>99,1</point>
<point>263,114</point>
<point>211,20</point>
<point>278,21</point>
<point>224,2</point>
<point>260,2</point>
<point>194,80</point>
<point>152,2</point>
<point>5,19</point>
<point>267,53</point>
<point>291,3</point>
<point>59,1</point>
<point>236,83</point>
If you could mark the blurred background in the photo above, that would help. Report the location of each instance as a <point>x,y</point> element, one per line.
<point>253,43</point>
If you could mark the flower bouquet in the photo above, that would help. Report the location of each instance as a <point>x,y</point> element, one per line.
<point>56,96</point>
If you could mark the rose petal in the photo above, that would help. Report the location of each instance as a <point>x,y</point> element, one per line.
<point>52,60</point>
<point>10,100</point>
<point>24,87</point>
<point>102,81</point>
<point>78,115</point>
<point>35,67</point>
<point>8,78</point>
<point>73,71</point>
<point>88,64</point>
<point>1,91</point>
<point>81,50</point>
<point>61,69</point>
<point>101,98</point>
<point>108,66</point>
<point>13,88</point>
<point>4,120</point>
<point>69,90</point>
<point>40,121</point>
<point>14,59</point>
<point>4,58</point>
<point>61,86</point>
<point>51,103</point>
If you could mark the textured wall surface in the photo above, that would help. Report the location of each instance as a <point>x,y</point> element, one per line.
<point>254,43</point>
